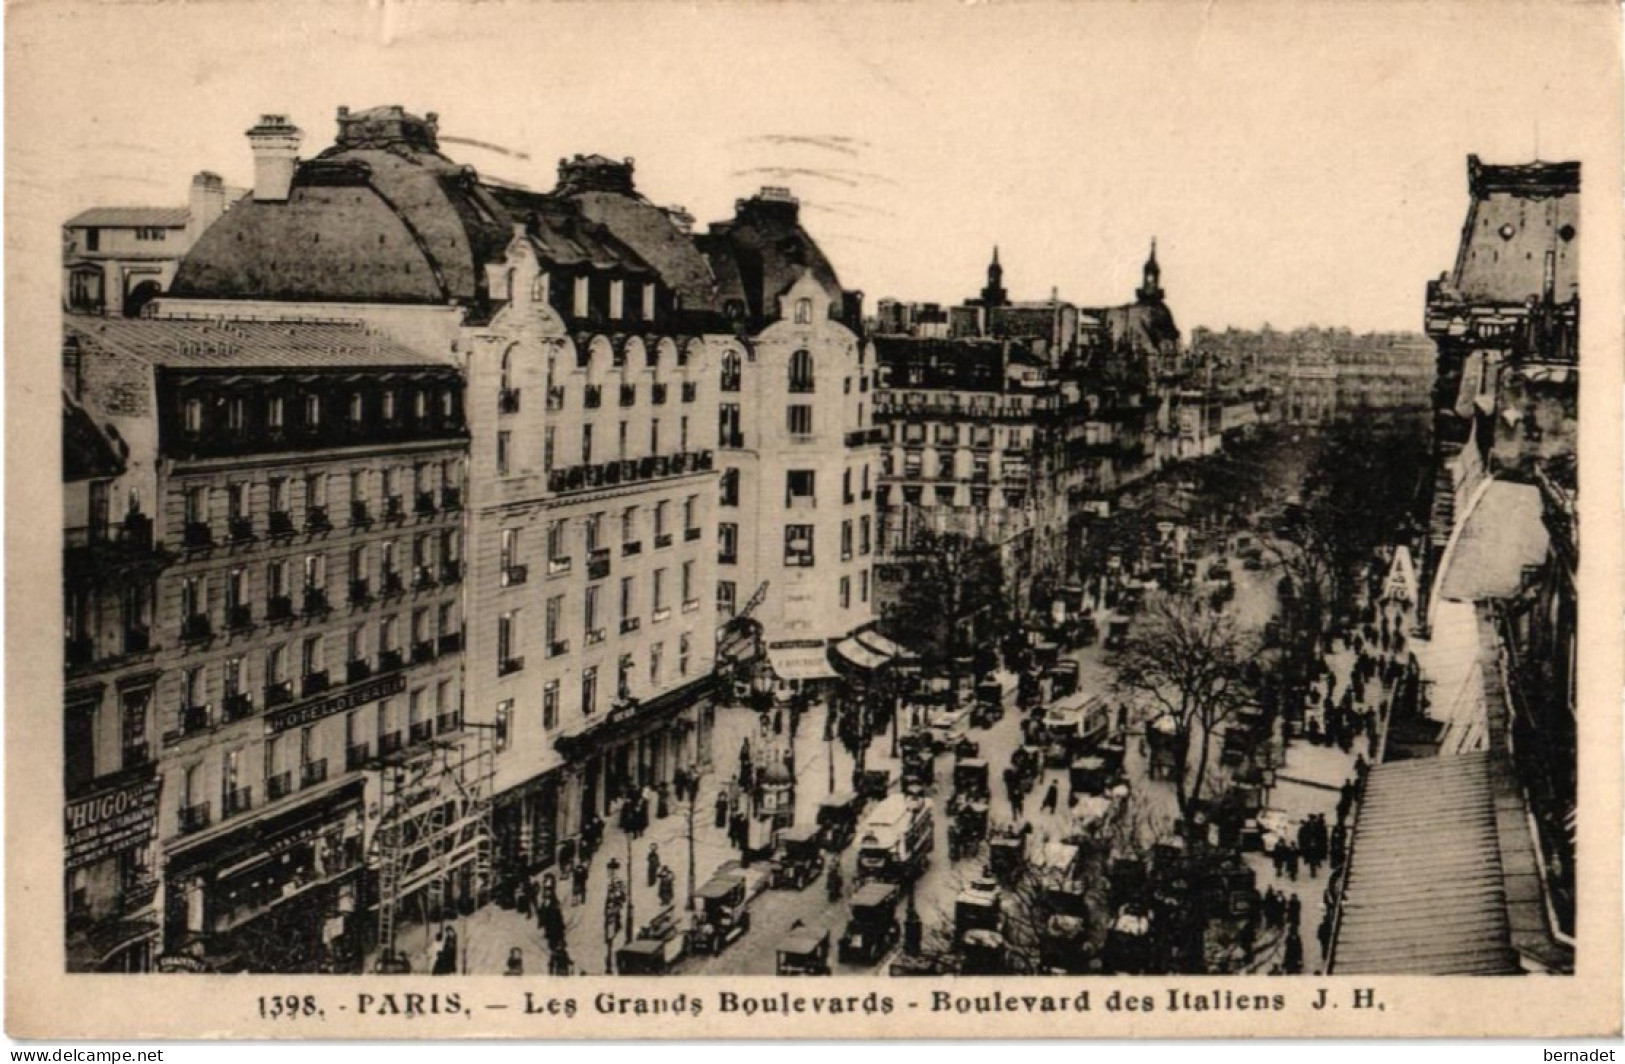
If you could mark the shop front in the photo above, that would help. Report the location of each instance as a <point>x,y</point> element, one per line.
<point>280,894</point>
<point>637,745</point>
<point>112,923</point>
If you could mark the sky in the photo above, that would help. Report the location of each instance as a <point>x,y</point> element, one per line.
<point>1296,164</point>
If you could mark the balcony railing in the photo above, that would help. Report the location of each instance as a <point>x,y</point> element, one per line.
<point>451,642</point>
<point>392,584</point>
<point>314,683</point>
<point>238,800</point>
<point>690,605</point>
<point>555,566</point>
<point>663,540</point>
<point>279,693</point>
<point>451,498</point>
<point>422,577</point>
<point>510,665</point>
<point>241,529</point>
<point>631,547</point>
<point>592,475</point>
<point>198,535</point>
<point>595,636</point>
<point>79,652</point>
<point>137,640</point>
<point>732,440</point>
<point>514,575</point>
<point>508,401</point>
<point>558,647</point>
<point>357,669</point>
<point>239,705</point>
<point>660,614</point>
<point>355,757</point>
<point>631,624</point>
<point>598,564</point>
<point>316,601</point>
<point>278,786</point>
<point>420,731</point>
<point>132,536</point>
<point>196,719</point>
<point>423,651</point>
<point>389,743</point>
<point>360,592</point>
<point>691,534</point>
<point>423,505</point>
<point>312,773</point>
<point>281,523</point>
<point>389,660</point>
<point>316,520</point>
<point>194,818</point>
<point>197,628</point>
<point>451,571</point>
<point>449,722</point>
<point>279,608</point>
<point>240,618</point>
<point>394,508</point>
<point>360,513</point>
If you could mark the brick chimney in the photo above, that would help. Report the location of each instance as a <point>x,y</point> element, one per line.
<point>275,142</point>
<point>205,204</point>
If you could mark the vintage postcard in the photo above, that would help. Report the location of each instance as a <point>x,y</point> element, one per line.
<point>1045,520</point>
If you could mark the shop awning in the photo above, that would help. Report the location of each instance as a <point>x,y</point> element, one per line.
<point>860,655</point>
<point>800,663</point>
<point>631,719</point>
<point>881,645</point>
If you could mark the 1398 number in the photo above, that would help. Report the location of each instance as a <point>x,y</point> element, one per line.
<point>289,1006</point>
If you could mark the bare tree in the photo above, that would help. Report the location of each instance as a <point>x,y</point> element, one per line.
<point>1191,664</point>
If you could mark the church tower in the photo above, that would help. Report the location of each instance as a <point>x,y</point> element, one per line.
<point>1150,290</point>
<point>994,294</point>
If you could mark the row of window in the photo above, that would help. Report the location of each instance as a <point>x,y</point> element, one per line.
<point>949,468</point>
<point>798,542</point>
<point>593,628</point>
<point>435,559</point>
<point>239,413</point>
<point>978,498</point>
<point>369,649</point>
<point>433,486</point>
<point>623,445</point>
<point>631,526</point>
<point>914,432</point>
<point>626,678</point>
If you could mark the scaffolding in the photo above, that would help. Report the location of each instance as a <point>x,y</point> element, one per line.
<point>435,822</point>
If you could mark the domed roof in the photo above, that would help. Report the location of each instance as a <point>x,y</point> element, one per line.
<point>381,216</point>
<point>766,250</point>
<point>776,772</point>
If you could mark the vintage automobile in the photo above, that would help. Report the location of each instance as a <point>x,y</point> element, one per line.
<point>874,784</point>
<point>872,929</point>
<point>1117,633</point>
<point>720,913</point>
<point>838,820</point>
<point>968,808</point>
<point>659,944</point>
<point>918,753</point>
<point>799,858</point>
<point>1073,727</point>
<point>803,951</point>
<point>1129,948</point>
<point>1090,775</point>
<point>989,708</point>
<point>1063,679</point>
<point>1005,853</point>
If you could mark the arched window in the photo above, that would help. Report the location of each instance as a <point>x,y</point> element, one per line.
<point>801,371</point>
<point>539,289</point>
<point>730,371</point>
<point>803,312</point>
<point>507,369</point>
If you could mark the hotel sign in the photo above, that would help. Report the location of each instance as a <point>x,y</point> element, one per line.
<point>298,716</point>
<point>110,821</point>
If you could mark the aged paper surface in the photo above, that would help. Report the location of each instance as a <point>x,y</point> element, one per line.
<point>338,697</point>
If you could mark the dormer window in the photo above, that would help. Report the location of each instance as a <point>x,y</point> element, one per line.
<point>803,312</point>
<point>649,301</point>
<point>313,410</point>
<point>420,404</point>
<point>617,299</point>
<point>192,416</point>
<point>274,415</point>
<point>730,371</point>
<point>578,305</point>
<point>389,405</point>
<point>541,288</point>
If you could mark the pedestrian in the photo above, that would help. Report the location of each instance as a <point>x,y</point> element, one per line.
<point>668,888</point>
<point>1294,911</point>
<point>1278,856</point>
<point>516,962</point>
<point>528,895</point>
<point>722,809</point>
<point>1052,798</point>
<point>445,961</point>
<point>652,864</point>
<point>1338,847</point>
<point>1292,862</point>
<point>1325,934</point>
<point>1292,962</point>
<point>553,923</point>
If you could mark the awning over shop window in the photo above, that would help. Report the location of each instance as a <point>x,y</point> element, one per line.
<point>800,663</point>
<point>883,646</point>
<point>860,655</point>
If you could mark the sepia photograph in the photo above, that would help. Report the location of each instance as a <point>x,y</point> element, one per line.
<point>944,498</point>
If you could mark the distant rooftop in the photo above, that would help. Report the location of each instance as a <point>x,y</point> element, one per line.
<point>131,218</point>
<point>247,345</point>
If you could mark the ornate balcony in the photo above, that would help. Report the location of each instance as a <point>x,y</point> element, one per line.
<point>279,693</point>
<point>314,683</point>
<point>194,818</point>
<point>312,773</point>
